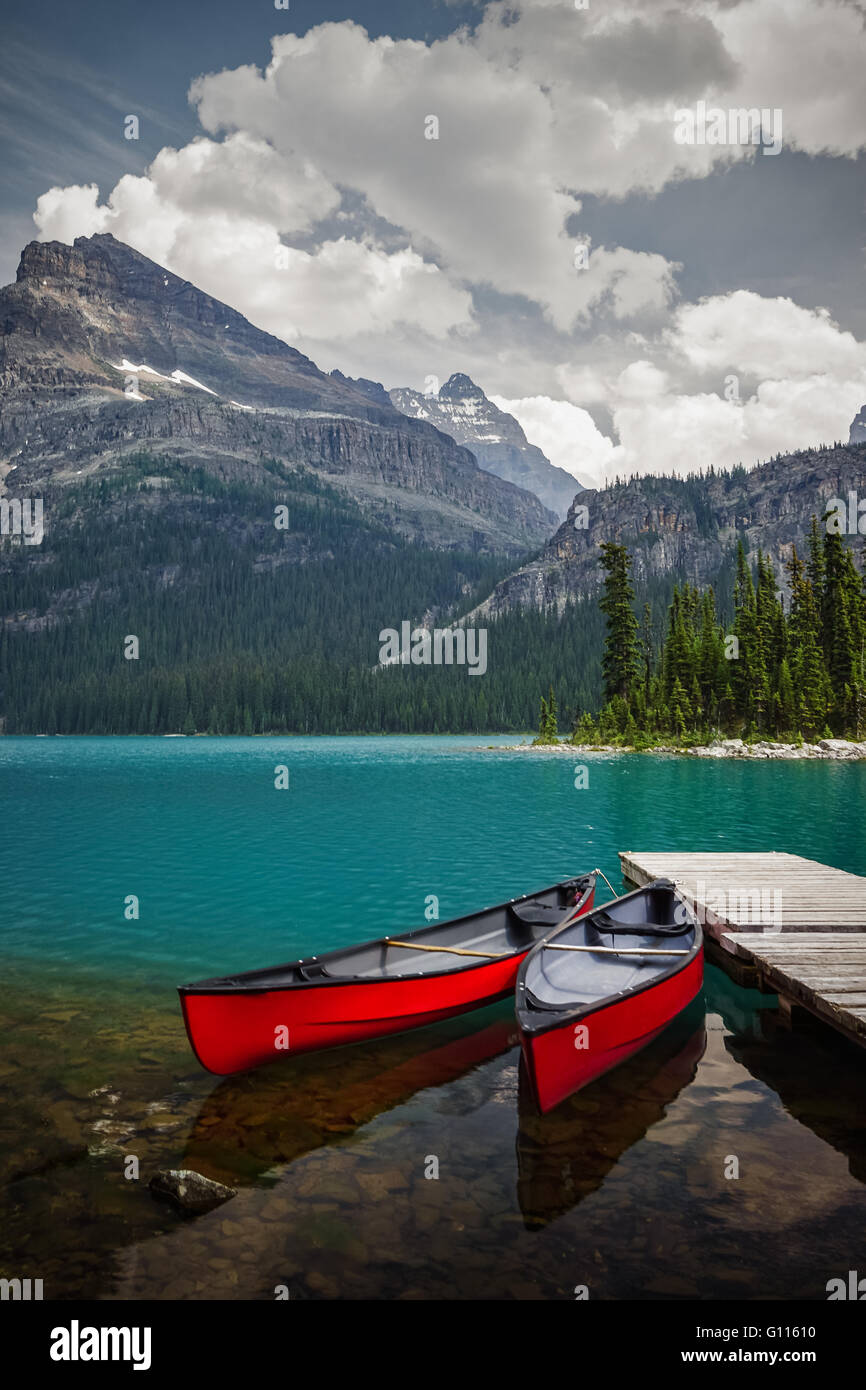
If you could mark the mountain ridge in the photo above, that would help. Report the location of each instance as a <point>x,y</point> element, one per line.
<point>685,527</point>
<point>102,349</point>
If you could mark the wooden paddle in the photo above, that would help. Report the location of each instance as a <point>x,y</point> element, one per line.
<point>450,950</point>
<point>485,955</point>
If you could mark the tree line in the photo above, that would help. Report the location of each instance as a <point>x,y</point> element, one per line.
<point>246,629</point>
<point>784,669</point>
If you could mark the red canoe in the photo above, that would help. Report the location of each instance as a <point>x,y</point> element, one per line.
<point>385,986</point>
<point>596,991</point>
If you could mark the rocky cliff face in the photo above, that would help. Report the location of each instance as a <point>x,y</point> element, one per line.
<point>688,528</point>
<point>496,439</point>
<point>103,351</point>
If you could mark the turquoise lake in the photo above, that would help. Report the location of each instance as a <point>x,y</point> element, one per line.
<point>622,1189</point>
<point>231,873</point>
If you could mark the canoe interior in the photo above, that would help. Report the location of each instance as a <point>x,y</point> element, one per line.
<point>508,929</point>
<point>565,980</point>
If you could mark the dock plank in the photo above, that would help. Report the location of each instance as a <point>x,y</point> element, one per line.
<point>800,925</point>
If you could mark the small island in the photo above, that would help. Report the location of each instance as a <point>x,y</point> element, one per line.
<point>779,681</point>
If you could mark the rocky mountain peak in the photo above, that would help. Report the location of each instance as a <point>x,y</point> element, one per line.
<point>461,387</point>
<point>374,389</point>
<point>43,261</point>
<point>857,434</point>
<point>91,264</point>
<point>77,313</point>
<point>686,528</point>
<point>461,409</point>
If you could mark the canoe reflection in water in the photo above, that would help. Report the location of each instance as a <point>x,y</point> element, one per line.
<point>566,1154</point>
<point>256,1121</point>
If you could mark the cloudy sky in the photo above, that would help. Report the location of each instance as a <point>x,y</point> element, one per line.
<point>642,300</point>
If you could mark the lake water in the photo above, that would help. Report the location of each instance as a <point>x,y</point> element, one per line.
<point>622,1189</point>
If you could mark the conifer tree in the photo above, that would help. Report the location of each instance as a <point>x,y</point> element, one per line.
<point>808,673</point>
<point>647,652</point>
<point>747,677</point>
<point>552,727</point>
<point>620,661</point>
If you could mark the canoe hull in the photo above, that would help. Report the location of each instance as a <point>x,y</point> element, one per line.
<point>232,1030</point>
<point>563,1060</point>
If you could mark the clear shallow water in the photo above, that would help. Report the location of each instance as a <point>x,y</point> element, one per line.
<point>621,1189</point>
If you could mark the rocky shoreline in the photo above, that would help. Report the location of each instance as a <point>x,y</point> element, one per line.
<point>827,749</point>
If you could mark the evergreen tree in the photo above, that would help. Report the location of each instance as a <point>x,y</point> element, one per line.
<point>584,729</point>
<point>646,653</point>
<point>620,661</point>
<point>548,730</point>
<point>552,729</point>
<point>811,684</point>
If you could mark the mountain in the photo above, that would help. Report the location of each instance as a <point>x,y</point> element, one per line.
<point>255,523</point>
<point>686,528</point>
<point>374,390</point>
<point>462,410</point>
<point>857,433</point>
<point>250,521</point>
<point>103,352</point>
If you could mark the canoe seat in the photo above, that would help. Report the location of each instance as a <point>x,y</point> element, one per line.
<point>312,972</point>
<point>601,921</point>
<point>537,914</point>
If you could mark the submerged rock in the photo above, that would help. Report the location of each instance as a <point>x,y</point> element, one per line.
<point>189,1190</point>
<point>51,1155</point>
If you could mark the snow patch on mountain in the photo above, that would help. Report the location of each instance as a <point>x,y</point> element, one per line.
<point>191,381</point>
<point>142,369</point>
<point>177,376</point>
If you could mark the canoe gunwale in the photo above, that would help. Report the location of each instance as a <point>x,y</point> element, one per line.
<point>537,1018</point>
<point>242,984</point>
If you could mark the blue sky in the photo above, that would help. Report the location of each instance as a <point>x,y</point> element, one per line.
<point>68,70</point>
<point>412,259</point>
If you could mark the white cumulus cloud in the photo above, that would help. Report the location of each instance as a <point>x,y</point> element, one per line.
<point>215,214</point>
<point>783,378</point>
<point>316,205</point>
<point>568,436</point>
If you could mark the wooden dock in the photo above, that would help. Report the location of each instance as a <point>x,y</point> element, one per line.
<point>798,927</point>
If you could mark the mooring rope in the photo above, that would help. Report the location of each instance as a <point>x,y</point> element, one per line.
<point>607,881</point>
